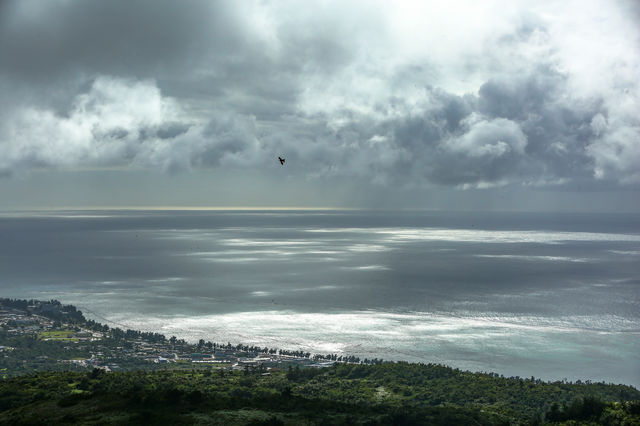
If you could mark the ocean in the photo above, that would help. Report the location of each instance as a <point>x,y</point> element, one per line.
<point>554,296</point>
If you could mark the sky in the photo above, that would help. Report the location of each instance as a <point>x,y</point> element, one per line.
<point>492,105</point>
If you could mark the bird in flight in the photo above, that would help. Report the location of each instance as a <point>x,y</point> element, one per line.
<point>281,161</point>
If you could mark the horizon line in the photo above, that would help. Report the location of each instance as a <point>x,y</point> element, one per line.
<point>170,208</point>
<point>5,211</point>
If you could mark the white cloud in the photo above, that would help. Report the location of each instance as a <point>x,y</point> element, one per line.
<point>121,122</point>
<point>104,126</point>
<point>494,138</point>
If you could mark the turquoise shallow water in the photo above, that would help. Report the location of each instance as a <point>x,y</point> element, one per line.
<point>553,296</point>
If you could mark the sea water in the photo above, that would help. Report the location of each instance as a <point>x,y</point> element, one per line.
<point>553,296</point>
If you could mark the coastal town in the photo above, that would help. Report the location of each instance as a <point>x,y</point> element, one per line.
<point>46,335</point>
<point>58,367</point>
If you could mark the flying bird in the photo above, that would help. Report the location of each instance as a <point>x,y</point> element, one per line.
<point>281,161</point>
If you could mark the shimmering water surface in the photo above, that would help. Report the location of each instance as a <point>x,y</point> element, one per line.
<point>549,295</point>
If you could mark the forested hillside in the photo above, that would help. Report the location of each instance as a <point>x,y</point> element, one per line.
<point>390,393</point>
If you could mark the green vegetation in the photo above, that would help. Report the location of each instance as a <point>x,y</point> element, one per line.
<point>390,393</point>
<point>48,352</point>
<point>58,335</point>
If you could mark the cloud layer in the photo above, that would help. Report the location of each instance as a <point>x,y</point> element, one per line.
<point>449,94</point>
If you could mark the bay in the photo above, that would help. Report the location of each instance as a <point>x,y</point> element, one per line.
<point>550,295</point>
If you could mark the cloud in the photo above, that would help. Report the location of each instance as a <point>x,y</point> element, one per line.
<point>119,123</point>
<point>398,94</point>
<point>103,127</point>
<point>52,39</point>
<point>616,151</point>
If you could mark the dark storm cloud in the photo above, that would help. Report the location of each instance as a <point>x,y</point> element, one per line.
<point>50,39</point>
<point>340,90</point>
<point>446,142</point>
<point>557,130</point>
<point>203,49</point>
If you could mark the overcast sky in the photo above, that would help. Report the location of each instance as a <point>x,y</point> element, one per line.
<point>526,105</point>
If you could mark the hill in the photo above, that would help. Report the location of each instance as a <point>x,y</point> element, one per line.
<point>390,393</point>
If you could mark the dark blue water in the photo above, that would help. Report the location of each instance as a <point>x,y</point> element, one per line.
<point>549,295</point>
